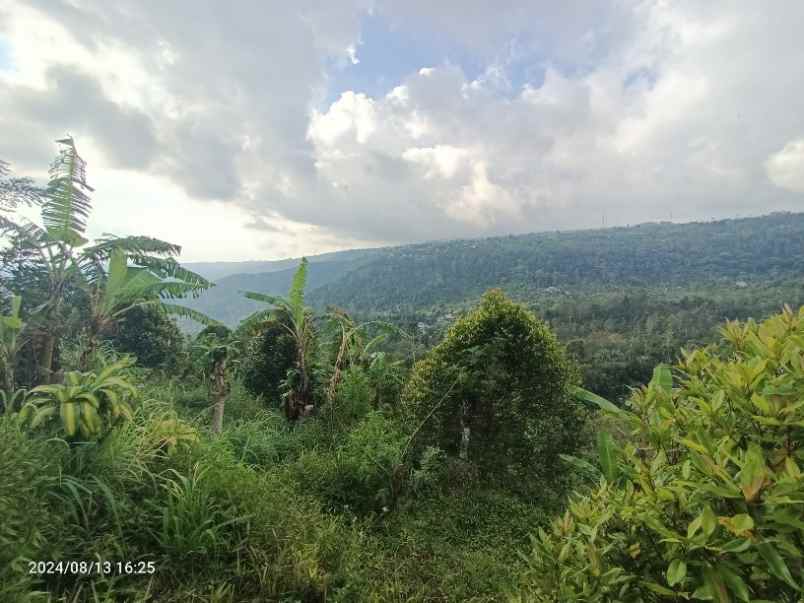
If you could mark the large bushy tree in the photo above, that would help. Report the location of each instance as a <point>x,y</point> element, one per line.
<point>495,392</point>
<point>269,355</point>
<point>151,336</point>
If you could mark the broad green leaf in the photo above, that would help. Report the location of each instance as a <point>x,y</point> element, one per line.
<point>607,452</point>
<point>662,378</point>
<point>717,585</point>
<point>659,589</point>
<point>585,395</point>
<point>676,572</point>
<point>735,583</point>
<point>776,564</point>
<point>738,545</point>
<point>753,472</point>
<point>708,521</point>
<point>738,525</point>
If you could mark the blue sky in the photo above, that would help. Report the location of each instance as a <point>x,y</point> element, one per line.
<point>388,53</point>
<point>5,55</point>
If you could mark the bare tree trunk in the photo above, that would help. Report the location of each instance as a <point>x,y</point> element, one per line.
<point>336,374</point>
<point>300,400</point>
<point>219,389</point>
<point>9,385</point>
<point>466,433</point>
<point>46,359</point>
<point>88,352</point>
<point>9,378</point>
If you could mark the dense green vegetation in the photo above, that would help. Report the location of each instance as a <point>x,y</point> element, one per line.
<point>622,299</point>
<point>441,451</point>
<point>666,254</point>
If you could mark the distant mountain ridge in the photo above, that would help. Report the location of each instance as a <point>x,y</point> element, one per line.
<point>226,302</point>
<point>408,277</point>
<point>215,271</point>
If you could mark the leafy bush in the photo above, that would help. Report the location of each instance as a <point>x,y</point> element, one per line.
<point>495,391</point>
<point>28,473</point>
<point>460,547</point>
<point>88,403</point>
<point>707,497</point>
<point>268,358</point>
<point>152,337</point>
<point>364,473</point>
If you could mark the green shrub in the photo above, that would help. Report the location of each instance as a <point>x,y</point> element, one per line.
<point>707,493</point>
<point>88,404</point>
<point>460,547</point>
<point>28,473</point>
<point>152,337</point>
<point>268,358</point>
<point>264,440</point>
<point>495,391</point>
<point>363,474</point>
<point>353,400</point>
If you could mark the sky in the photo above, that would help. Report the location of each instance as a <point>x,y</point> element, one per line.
<point>262,129</point>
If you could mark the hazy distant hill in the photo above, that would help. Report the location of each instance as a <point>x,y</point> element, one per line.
<point>215,271</point>
<point>417,276</point>
<point>226,302</point>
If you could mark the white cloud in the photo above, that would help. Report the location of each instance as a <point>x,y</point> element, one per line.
<point>352,114</point>
<point>441,160</point>
<point>785,168</point>
<point>630,109</point>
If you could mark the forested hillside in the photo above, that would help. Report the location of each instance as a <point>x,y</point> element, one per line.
<point>414,277</point>
<point>649,254</point>
<point>623,299</point>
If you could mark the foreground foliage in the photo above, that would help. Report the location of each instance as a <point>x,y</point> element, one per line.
<point>705,500</point>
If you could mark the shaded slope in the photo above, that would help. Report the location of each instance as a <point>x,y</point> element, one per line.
<point>416,276</point>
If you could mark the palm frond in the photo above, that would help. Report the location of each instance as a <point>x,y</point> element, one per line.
<point>67,204</point>
<point>274,300</point>
<point>296,293</point>
<point>117,273</point>
<point>253,322</point>
<point>185,312</point>
<point>133,245</point>
<point>172,290</point>
<point>168,268</point>
<point>26,232</point>
<point>24,260</point>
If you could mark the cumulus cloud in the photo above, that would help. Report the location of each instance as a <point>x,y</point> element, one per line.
<point>73,100</point>
<point>786,167</point>
<point>530,115</point>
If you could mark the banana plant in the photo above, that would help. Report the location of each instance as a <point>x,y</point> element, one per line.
<point>118,288</point>
<point>87,403</point>
<point>352,348</point>
<point>294,317</point>
<point>57,257</point>
<point>11,326</point>
<point>220,357</point>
